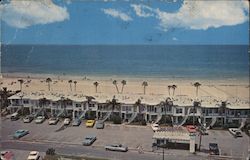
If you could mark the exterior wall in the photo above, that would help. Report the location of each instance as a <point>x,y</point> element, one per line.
<point>150,112</point>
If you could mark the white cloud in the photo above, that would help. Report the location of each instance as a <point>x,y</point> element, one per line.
<point>201,14</point>
<point>117,14</point>
<point>22,14</point>
<point>142,10</point>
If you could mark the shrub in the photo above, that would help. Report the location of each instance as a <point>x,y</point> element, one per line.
<point>117,119</point>
<point>50,151</point>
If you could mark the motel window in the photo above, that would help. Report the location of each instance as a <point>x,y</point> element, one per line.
<point>25,101</point>
<point>216,110</point>
<point>210,110</point>
<point>178,110</point>
<point>78,105</point>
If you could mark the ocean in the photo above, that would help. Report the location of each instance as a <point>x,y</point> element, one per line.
<point>163,61</point>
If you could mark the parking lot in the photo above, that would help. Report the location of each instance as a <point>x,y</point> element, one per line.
<point>131,136</point>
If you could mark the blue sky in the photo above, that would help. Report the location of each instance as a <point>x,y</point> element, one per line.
<point>125,22</point>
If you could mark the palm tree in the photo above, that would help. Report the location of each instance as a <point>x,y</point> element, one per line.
<point>138,104</point>
<point>89,99</point>
<point>70,84</point>
<point>197,85</point>
<point>96,85</point>
<point>123,84</point>
<point>21,83</point>
<point>43,102</point>
<point>75,82</point>
<point>169,87</point>
<point>115,83</point>
<point>144,84</point>
<point>174,87</point>
<point>48,80</point>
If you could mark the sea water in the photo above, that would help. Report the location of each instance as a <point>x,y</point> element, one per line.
<point>188,61</point>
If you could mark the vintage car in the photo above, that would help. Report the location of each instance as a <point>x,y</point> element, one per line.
<point>116,147</point>
<point>88,140</point>
<point>90,123</point>
<point>34,155</point>
<point>20,133</point>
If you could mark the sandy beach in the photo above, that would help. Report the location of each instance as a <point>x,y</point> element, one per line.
<point>235,91</point>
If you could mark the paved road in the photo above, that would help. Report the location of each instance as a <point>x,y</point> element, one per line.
<point>94,151</point>
<point>42,136</point>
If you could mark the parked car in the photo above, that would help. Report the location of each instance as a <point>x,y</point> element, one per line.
<point>155,126</point>
<point>14,117</point>
<point>7,155</point>
<point>66,121</point>
<point>235,132</point>
<point>76,122</point>
<point>53,121</point>
<point>116,147</point>
<point>214,149</point>
<point>99,125</point>
<point>88,140</point>
<point>40,119</point>
<point>90,123</point>
<point>28,119</point>
<point>20,133</point>
<point>34,155</point>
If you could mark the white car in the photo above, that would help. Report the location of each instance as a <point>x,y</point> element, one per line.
<point>66,121</point>
<point>116,147</point>
<point>34,155</point>
<point>155,126</point>
<point>40,119</point>
<point>53,121</point>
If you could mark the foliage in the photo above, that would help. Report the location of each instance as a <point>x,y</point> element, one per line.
<point>50,151</point>
<point>116,119</point>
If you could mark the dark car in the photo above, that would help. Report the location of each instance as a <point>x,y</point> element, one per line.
<point>99,125</point>
<point>88,140</point>
<point>76,122</point>
<point>214,149</point>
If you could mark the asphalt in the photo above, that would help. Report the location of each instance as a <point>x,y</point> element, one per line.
<point>68,140</point>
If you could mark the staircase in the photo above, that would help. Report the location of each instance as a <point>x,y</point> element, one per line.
<point>106,116</point>
<point>159,116</point>
<point>82,115</point>
<point>38,113</point>
<point>214,119</point>
<point>185,117</point>
<point>132,118</point>
<point>243,123</point>
<point>60,113</point>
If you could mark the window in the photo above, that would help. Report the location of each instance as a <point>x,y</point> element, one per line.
<point>78,105</point>
<point>25,101</point>
<point>216,110</point>
<point>178,110</point>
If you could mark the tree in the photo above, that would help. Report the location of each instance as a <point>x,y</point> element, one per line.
<point>96,85</point>
<point>123,84</point>
<point>70,84</point>
<point>197,85</point>
<point>21,83</point>
<point>115,83</point>
<point>144,84</point>
<point>173,87</point>
<point>48,80</point>
<point>169,87</point>
<point>75,82</point>
<point>89,99</point>
<point>139,105</point>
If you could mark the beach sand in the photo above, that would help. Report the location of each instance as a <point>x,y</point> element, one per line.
<point>232,90</point>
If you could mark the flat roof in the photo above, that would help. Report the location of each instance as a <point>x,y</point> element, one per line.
<point>172,133</point>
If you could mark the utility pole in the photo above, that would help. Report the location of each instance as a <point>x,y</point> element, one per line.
<point>162,153</point>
